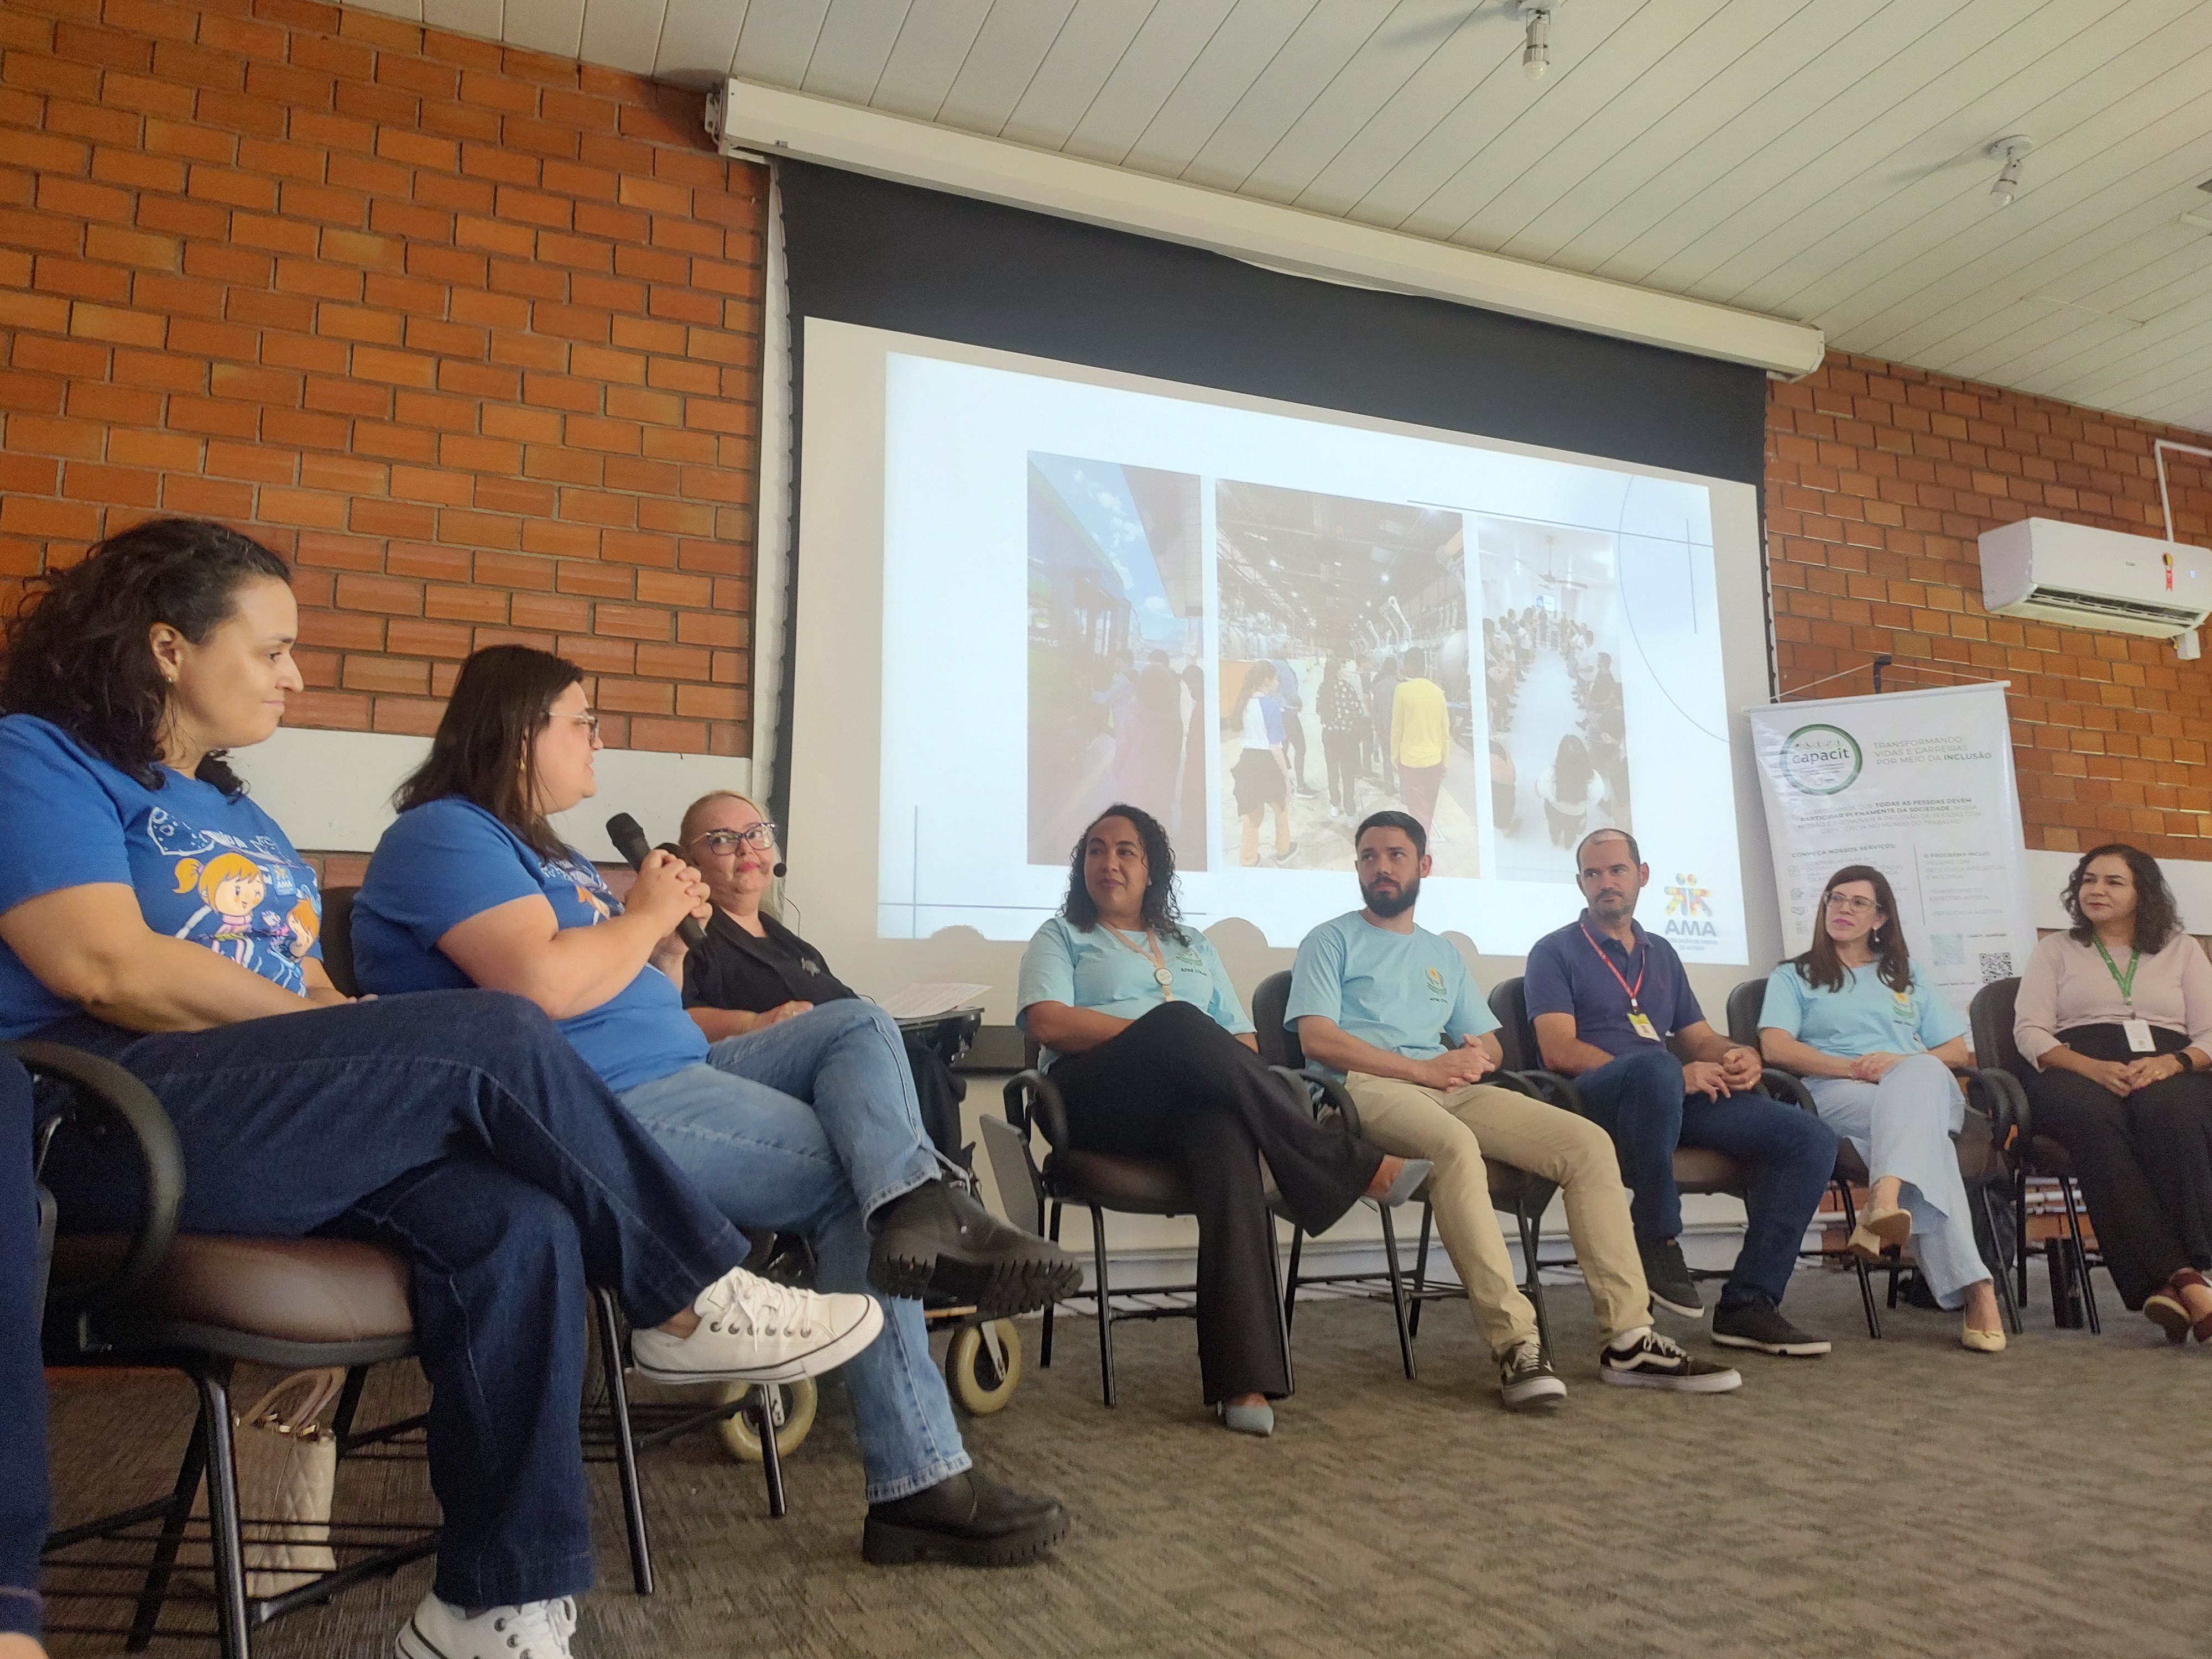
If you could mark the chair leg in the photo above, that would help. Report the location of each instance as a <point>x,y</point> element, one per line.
<point>2081,1255</point>
<point>1533,1287</point>
<point>1421,1266</point>
<point>2019,1232</point>
<point>1998,1272</point>
<point>1397,1291</point>
<point>348,1405</point>
<point>227,1550</point>
<point>1866,1285</point>
<point>1105,1303</point>
<point>1291,1285</point>
<point>611,1364</point>
<point>1282,1329</point>
<point>1044,1338</point>
<point>760,1407</point>
<point>156,1590</point>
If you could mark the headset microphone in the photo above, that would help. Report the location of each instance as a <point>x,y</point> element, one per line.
<point>628,838</point>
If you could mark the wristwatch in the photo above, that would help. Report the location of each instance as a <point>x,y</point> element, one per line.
<point>2187,1064</point>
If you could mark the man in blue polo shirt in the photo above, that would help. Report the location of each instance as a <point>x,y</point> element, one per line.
<point>1391,1007</point>
<point>1605,996</point>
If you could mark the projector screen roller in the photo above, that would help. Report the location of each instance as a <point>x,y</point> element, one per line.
<point>1030,590</point>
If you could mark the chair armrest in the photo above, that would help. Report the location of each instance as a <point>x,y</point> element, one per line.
<point>1332,1093</point>
<point>103,1095</point>
<point>1033,1102</point>
<point>1785,1085</point>
<point>1551,1086</point>
<point>2012,1120</point>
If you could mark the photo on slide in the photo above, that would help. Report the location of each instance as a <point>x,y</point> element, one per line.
<point>1551,639</point>
<point>1116,678</point>
<point>1343,677</point>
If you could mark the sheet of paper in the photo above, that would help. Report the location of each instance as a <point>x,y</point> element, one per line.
<point>921,1001</point>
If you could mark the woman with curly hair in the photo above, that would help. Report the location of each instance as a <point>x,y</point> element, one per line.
<point>1145,1037</point>
<point>2115,1018</point>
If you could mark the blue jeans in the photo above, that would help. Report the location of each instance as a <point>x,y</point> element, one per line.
<point>1638,1099</point>
<point>810,1126</point>
<point>461,1130</point>
<point>22,1385</point>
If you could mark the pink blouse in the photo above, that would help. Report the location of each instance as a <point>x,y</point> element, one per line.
<point>2067,984</point>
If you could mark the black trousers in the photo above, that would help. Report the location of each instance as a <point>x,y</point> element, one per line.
<point>1294,746</point>
<point>938,1090</point>
<point>2145,1161</point>
<point>1341,749</point>
<point>1175,1087</point>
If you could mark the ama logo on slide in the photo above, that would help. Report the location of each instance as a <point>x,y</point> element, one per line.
<point>1689,910</point>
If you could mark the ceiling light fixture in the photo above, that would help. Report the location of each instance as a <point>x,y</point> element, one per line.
<point>1536,55</point>
<point>2008,151</point>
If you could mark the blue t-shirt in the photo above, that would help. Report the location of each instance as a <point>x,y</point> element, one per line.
<point>208,868</point>
<point>450,860</point>
<point>1865,1017</point>
<point>1566,976</point>
<point>1408,993</point>
<point>1067,964</point>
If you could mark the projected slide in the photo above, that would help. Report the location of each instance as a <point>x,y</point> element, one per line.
<point>1260,625</point>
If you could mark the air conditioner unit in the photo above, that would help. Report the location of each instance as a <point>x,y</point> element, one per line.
<point>2089,578</point>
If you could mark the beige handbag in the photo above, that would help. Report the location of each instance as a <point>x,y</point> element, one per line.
<point>287,1468</point>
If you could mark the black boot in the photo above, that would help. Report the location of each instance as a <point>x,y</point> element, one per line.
<point>967,1520</point>
<point>938,1238</point>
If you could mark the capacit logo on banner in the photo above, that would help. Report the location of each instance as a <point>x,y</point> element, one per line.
<point>1821,760</point>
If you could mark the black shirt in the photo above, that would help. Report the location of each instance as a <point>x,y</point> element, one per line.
<point>737,970</point>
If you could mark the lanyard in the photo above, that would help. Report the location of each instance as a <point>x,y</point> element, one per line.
<point>1161,976</point>
<point>1635,990</point>
<point>2127,985</point>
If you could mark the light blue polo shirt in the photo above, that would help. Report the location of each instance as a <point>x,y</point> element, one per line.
<point>1084,969</point>
<point>1865,1017</point>
<point>1408,993</point>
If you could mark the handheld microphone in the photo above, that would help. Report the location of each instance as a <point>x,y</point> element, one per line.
<point>628,838</point>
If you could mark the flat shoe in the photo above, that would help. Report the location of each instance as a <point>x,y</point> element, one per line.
<point>2167,1312</point>
<point>1258,1420</point>
<point>1867,1246</point>
<point>1890,1226</point>
<point>1407,1183</point>
<point>1981,1341</point>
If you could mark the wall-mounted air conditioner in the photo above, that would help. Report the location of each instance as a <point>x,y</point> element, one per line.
<point>2089,578</point>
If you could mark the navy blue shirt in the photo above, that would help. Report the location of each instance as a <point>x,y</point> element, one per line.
<point>1566,976</point>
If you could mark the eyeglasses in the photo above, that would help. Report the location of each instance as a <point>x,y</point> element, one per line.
<point>589,722</point>
<point>1852,902</point>
<point>762,834</point>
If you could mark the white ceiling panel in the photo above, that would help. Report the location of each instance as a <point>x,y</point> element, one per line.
<point>1819,160</point>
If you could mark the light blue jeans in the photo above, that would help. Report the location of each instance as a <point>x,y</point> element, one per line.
<point>1902,1126</point>
<point>810,1126</point>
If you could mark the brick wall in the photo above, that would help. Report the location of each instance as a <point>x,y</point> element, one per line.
<point>1881,477</point>
<point>472,334</point>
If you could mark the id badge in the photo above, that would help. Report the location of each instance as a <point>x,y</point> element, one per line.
<point>1640,1023</point>
<point>2138,1032</point>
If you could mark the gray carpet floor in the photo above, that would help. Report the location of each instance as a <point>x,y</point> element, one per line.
<point>1899,1497</point>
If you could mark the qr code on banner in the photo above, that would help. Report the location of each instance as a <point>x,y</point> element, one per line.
<point>1995,965</point>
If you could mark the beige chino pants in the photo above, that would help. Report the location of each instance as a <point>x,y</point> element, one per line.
<point>1454,1129</point>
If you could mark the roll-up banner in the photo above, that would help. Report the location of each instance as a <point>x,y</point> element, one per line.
<point>1919,785</point>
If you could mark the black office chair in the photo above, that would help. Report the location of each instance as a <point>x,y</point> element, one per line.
<point>2031,1156</point>
<point>1035,1192</point>
<point>1981,1166</point>
<point>617,1429</point>
<point>1514,1192</point>
<point>1698,1169</point>
<point>200,1305</point>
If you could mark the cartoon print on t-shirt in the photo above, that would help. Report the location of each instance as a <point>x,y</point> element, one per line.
<point>591,891</point>
<point>257,906</point>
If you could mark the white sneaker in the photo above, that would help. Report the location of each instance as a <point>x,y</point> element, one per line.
<point>536,1629</point>
<point>753,1330</point>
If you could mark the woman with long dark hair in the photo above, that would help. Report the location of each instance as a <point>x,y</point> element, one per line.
<point>2115,1020</point>
<point>1261,775</point>
<point>806,1126</point>
<point>1569,789</point>
<point>1875,1044</point>
<point>151,912</point>
<point>1152,1052</point>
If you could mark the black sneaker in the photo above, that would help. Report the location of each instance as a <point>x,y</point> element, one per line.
<point>1652,1361</point>
<point>1526,1380</point>
<point>1668,1279</point>
<point>938,1238</point>
<point>1757,1323</point>
<point>968,1521</point>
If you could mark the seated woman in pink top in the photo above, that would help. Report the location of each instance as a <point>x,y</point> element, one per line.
<point>2115,1015</point>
